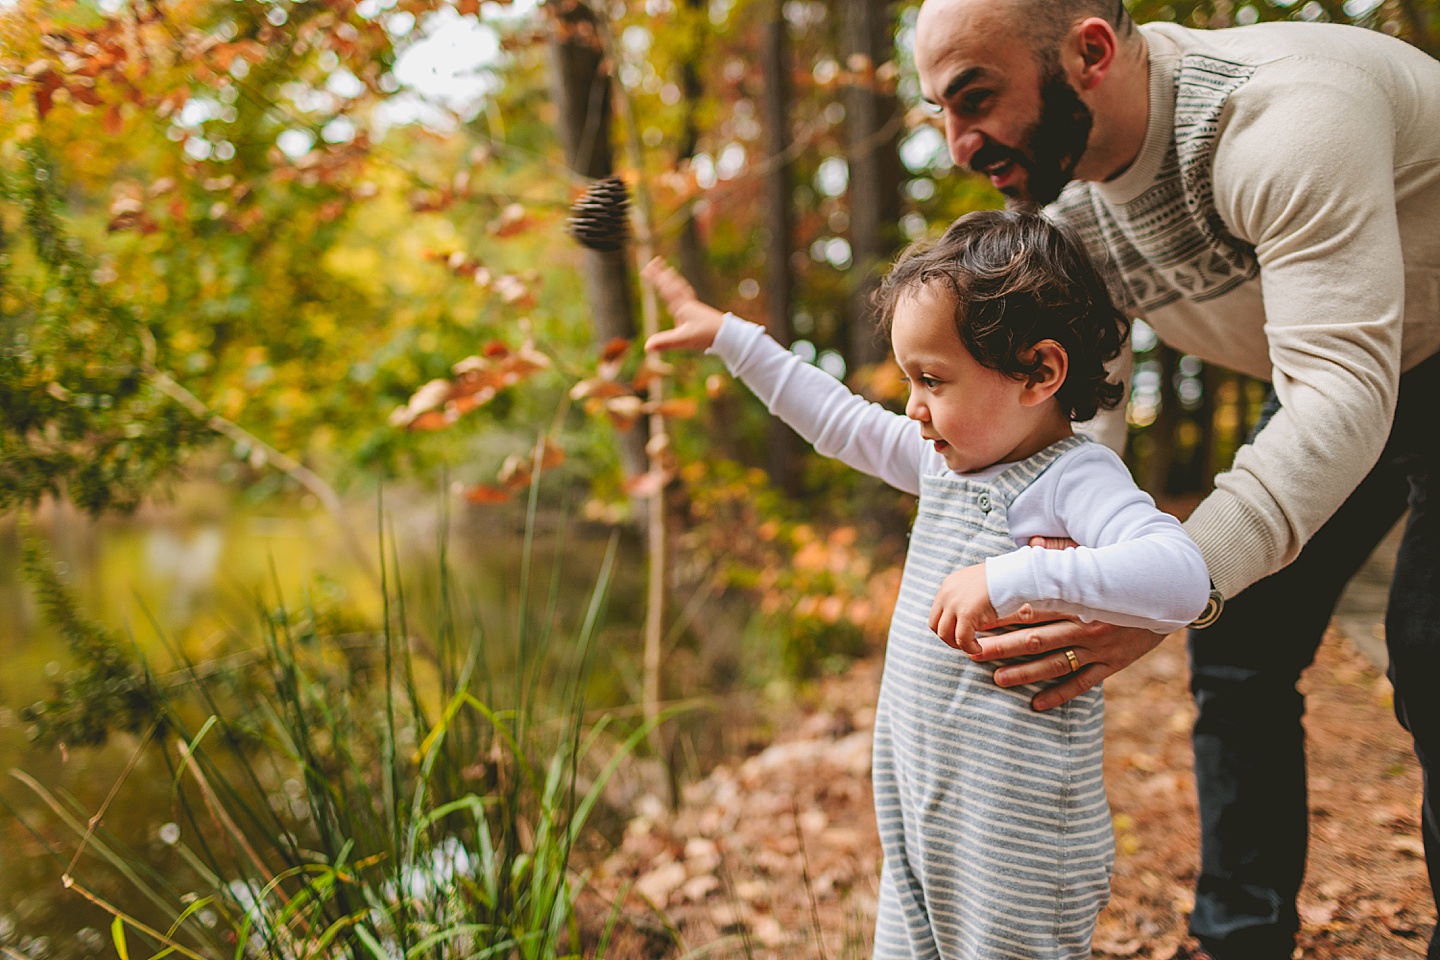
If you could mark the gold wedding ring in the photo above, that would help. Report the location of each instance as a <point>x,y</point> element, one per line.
<point>1074,660</point>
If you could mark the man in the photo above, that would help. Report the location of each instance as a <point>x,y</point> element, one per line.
<point>1270,197</point>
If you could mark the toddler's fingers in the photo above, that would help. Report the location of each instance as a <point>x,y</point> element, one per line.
<point>664,340</point>
<point>945,628</point>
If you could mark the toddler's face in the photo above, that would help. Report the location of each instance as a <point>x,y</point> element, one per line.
<point>972,414</point>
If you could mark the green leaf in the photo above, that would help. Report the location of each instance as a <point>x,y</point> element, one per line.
<point>117,933</point>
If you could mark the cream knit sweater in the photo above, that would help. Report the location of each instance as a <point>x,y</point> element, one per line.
<point>1283,220</point>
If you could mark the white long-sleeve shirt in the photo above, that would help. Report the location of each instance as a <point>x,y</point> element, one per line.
<point>1135,565</point>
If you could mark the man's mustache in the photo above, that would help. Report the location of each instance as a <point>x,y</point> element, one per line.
<point>992,153</point>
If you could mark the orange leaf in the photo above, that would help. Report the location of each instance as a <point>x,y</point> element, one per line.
<point>598,387</point>
<point>515,472</point>
<point>430,420</point>
<point>484,493</point>
<point>681,408</point>
<point>552,456</point>
<point>468,8</point>
<point>512,220</point>
<point>624,411</point>
<point>114,123</point>
<point>651,369</point>
<point>614,350</point>
<point>526,360</point>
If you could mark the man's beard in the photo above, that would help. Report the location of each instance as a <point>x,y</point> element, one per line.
<point>1052,148</point>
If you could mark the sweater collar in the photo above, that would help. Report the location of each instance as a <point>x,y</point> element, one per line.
<point>1159,129</point>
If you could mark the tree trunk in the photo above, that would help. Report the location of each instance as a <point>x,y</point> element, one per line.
<point>872,134</point>
<point>580,87</point>
<point>782,448</point>
<point>691,251</point>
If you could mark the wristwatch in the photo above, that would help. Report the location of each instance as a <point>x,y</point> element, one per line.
<point>1214,606</point>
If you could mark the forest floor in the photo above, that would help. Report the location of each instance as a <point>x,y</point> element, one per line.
<point>775,855</point>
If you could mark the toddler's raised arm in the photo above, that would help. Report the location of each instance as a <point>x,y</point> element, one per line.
<point>696,323</point>
<point>819,407</point>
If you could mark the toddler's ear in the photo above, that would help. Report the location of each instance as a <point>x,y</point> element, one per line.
<point>1054,365</point>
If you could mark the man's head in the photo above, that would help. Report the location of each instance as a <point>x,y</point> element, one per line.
<point>1017,82</point>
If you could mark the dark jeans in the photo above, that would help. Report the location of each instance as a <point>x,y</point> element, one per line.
<point>1249,744</point>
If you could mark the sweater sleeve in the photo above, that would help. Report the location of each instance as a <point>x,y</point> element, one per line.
<point>820,408</point>
<point>1321,213</point>
<point>1135,566</point>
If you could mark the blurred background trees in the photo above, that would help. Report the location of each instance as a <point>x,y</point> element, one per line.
<point>298,250</point>
<point>237,239</point>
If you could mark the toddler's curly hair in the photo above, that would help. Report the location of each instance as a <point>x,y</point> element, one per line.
<point>1017,279</point>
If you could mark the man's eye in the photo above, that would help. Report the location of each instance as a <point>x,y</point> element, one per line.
<point>928,382</point>
<point>933,109</point>
<point>974,101</point>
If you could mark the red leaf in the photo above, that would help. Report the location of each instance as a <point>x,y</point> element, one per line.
<point>484,493</point>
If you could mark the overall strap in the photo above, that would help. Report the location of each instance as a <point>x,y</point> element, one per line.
<point>1009,483</point>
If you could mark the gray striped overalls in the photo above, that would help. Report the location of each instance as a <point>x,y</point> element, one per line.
<point>992,817</point>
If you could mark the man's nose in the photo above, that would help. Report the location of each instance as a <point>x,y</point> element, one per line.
<point>964,142</point>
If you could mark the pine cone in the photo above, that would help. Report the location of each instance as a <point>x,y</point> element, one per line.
<point>600,219</point>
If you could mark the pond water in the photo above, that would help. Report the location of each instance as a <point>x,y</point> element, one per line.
<point>193,574</point>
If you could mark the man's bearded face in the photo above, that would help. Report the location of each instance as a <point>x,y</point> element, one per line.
<point>1051,149</point>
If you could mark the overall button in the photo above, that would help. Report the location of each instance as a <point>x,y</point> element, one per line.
<point>984,502</point>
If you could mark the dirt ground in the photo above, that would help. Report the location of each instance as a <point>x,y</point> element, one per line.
<point>775,856</point>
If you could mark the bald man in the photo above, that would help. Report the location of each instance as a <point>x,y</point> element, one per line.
<point>1270,199</point>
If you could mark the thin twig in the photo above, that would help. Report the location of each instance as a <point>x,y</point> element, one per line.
<point>805,876</point>
<point>217,810</point>
<point>282,461</point>
<point>94,821</point>
<point>70,884</point>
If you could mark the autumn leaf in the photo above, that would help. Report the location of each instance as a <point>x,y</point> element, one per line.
<point>679,408</point>
<point>484,493</point>
<point>614,349</point>
<point>512,220</point>
<point>429,420</point>
<point>651,369</point>
<point>598,387</point>
<point>624,411</point>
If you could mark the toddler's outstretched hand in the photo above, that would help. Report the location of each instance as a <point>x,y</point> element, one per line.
<point>962,606</point>
<point>696,323</point>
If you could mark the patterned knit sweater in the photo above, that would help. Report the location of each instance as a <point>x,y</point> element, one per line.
<point>1282,220</point>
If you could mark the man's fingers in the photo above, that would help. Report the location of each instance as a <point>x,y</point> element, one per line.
<point>1052,666</point>
<point>1087,678</point>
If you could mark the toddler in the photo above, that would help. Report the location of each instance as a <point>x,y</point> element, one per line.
<point>993,818</point>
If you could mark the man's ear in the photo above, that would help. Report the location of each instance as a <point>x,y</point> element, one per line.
<point>1093,48</point>
<point>1053,366</point>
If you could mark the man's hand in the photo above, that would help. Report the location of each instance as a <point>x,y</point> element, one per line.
<point>696,323</point>
<point>962,606</point>
<point>1100,649</point>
